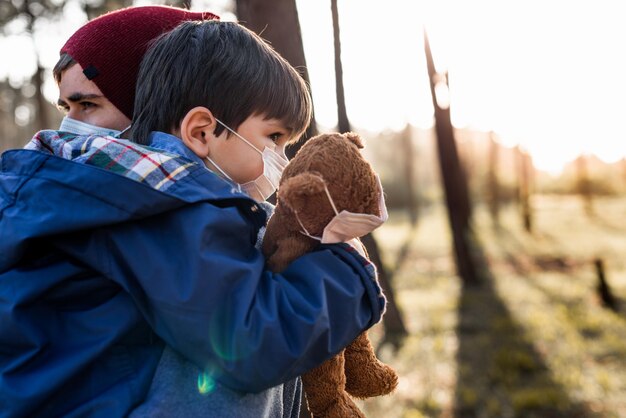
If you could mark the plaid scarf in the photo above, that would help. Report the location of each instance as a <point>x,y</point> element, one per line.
<point>151,166</point>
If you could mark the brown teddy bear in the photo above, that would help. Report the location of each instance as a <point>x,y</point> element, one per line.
<point>329,164</point>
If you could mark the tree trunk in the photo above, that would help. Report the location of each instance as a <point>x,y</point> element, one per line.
<point>395,330</point>
<point>583,184</point>
<point>277,22</point>
<point>454,180</point>
<point>41,102</point>
<point>525,176</point>
<point>94,10</point>
<point>409,174</point>
<point>183,4</point>
<point>493,185</point>
<point>394,326</point>
<point>343,124</point>
<point>41,113</point>
<point>604,291</point>
<point>529,173</point>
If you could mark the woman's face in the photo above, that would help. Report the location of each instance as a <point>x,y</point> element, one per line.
<point>82,100</point>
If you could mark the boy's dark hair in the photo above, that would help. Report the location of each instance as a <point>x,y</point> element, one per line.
<point>224,67</point>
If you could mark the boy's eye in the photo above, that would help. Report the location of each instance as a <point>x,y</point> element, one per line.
<point>63,108</point>
<point>275,136</point>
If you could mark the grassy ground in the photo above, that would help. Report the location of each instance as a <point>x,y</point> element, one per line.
<point>533,340</point>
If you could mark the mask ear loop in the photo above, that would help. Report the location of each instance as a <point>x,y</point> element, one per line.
<point>122,132</point>
<point>239,136</point>
<point>219,169</point>
<point>306,232</point>
<point>330,199</point>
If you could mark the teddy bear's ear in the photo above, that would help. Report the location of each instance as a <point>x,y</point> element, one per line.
<point>294,191</point>
<point>355,139</point>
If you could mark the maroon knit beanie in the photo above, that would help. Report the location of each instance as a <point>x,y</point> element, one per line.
<point>110,47</point>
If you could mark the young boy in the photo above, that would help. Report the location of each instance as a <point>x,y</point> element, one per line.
<point>115,250</point>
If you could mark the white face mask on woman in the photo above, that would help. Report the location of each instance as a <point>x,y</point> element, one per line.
<point>261,188</point>
<point>345,226</point>
<point>83,128</point>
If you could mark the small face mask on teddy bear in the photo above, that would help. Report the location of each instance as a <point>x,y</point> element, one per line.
<point>345,225</point>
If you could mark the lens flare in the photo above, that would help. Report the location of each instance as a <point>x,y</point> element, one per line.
<point>227,343</point>
<point>206,384</point>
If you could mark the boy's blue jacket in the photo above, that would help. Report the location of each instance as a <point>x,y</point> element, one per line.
<point>104,259</point>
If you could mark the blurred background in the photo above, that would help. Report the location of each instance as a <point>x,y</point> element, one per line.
<point>497,128</point>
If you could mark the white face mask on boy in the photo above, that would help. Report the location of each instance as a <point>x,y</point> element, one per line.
<point>261,188</point>
<point>83,128</point>
<point>346,226</point>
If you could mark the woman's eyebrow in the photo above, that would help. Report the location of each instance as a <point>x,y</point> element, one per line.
<point>77,97</point>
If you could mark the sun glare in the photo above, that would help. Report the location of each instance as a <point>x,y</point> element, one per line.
<point>553,85</point>
<point>547,75</point>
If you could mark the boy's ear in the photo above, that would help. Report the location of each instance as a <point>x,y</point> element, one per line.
<point>196,128</point>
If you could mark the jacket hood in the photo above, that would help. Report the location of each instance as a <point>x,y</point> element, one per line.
<point>62,183</point>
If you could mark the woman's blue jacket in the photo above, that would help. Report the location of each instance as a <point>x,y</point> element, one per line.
<point>102,264</point>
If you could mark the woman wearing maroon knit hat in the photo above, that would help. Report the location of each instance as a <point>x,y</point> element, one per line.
<point>97,70</point>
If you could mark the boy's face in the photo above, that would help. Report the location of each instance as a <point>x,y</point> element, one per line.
<point>82,100</point>
<point>238,159</point>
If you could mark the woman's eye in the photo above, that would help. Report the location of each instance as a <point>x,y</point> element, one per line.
<point>87,105</point>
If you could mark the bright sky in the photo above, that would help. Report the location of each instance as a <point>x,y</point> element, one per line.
<point>549,75</point>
